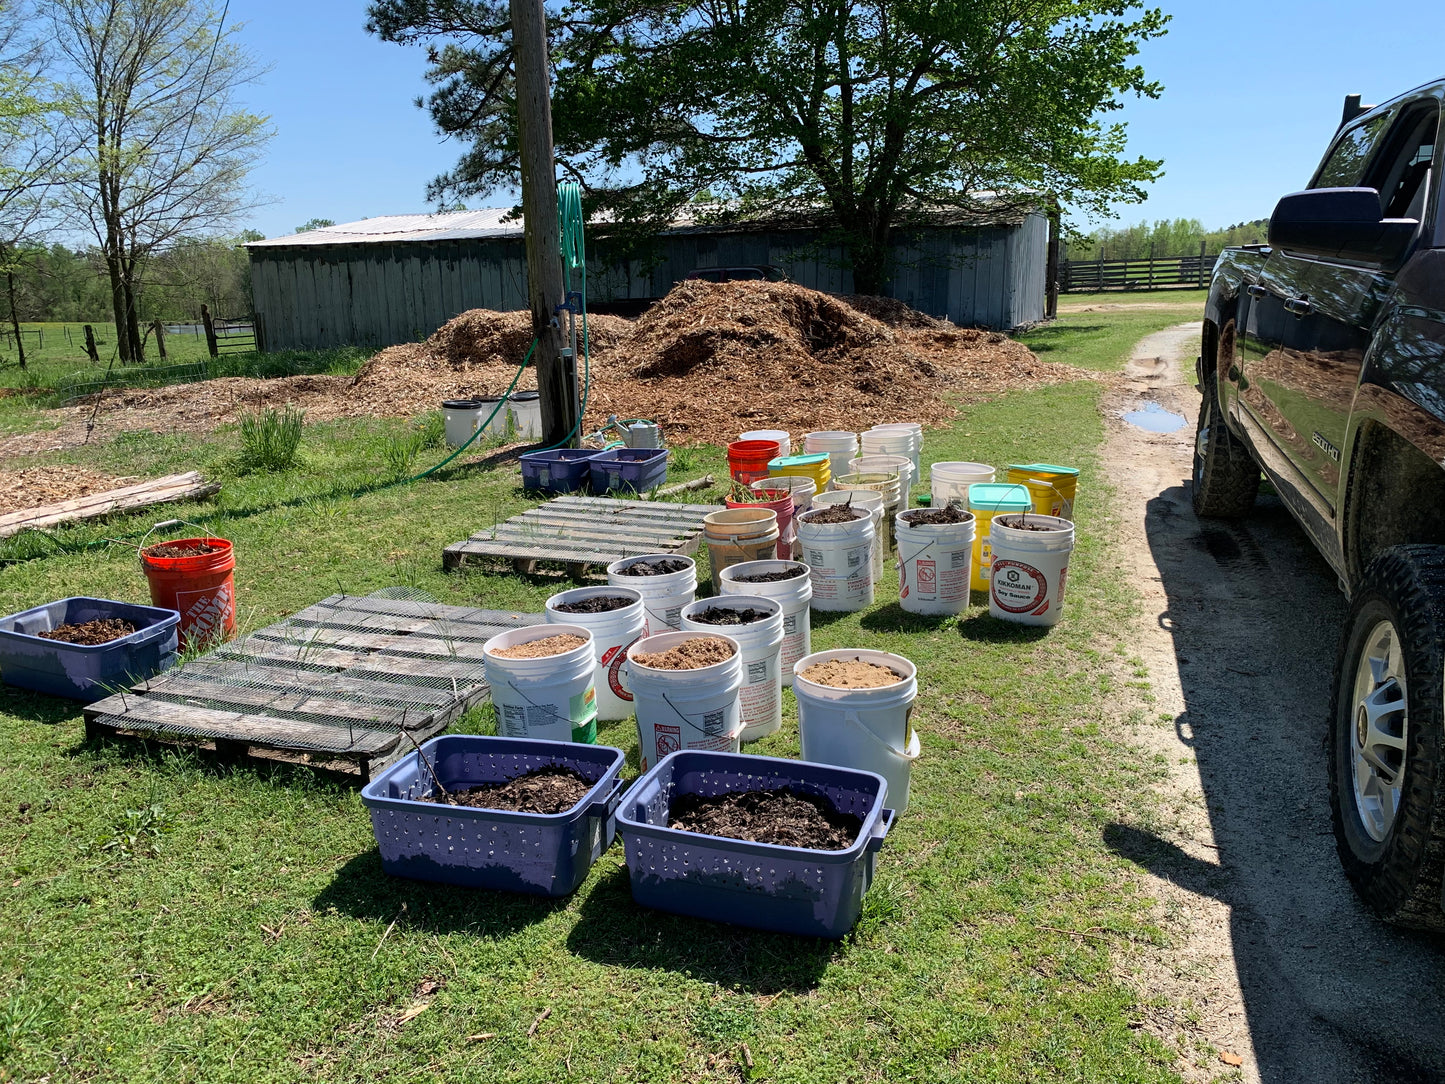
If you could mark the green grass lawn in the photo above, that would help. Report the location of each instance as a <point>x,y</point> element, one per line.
<point>170,919</point>
<point>1103,340</point>
<point>1187,297</point>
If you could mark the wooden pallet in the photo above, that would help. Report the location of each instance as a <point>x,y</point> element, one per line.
<point>336,682</point>
<point>582,531</point>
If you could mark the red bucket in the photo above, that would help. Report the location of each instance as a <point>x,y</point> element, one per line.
<point>748,459</point>
<point>781,502</point>
<point>200,587</point>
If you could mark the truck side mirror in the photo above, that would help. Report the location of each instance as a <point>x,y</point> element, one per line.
<point>1340,223</point>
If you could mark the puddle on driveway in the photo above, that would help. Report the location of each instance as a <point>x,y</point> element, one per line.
<point>1154,418</point>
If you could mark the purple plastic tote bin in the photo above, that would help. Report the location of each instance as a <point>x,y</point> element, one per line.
<point>635,469</point>
<point>789,889</point>
<point>85,671</point>
<point>543,854</point>
<point>559,470</point>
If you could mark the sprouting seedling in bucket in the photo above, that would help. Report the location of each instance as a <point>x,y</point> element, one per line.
<point>426,763</point>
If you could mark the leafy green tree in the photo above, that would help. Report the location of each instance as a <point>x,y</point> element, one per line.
<point>868,116</point>
<point>314,224</point>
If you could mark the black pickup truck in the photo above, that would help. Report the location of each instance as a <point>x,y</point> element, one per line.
<point>1323,363</point>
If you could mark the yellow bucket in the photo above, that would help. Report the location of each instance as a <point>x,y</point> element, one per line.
<point>1052,487</point>
<point>986,500</point>
<point>815,466</point>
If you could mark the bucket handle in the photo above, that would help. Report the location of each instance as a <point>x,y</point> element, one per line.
<point>880,830</point>
<point>851,718</point>
<point>607,804</point>
<point>140,546</point>
<point>1066,506</point>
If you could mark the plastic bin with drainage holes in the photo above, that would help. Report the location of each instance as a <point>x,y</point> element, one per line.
<point>87,672</point>
<point>789,889</point>
<point>542,854</point>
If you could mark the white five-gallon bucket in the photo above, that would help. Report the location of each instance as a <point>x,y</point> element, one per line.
<point>613,632</point>
<point>894,441</point>
<point>915,431</point>
<point>949,481</point>
<point>526,409</point>
<point>802,489</point>
<point>935,564</point>
<point>685,709</point>
<point>785,442</point>
<point>872,500</point>
<point>761,642</point>
<point>839,445</point>
<point>551,698</point>
<point>663,597</point>
<point>735,535</point>
<point>861,728</point>
<point>839,557</point>
<point>900,465</point>
<point>1030,569</point>
<point>793,595</point>
<point>461,418</point>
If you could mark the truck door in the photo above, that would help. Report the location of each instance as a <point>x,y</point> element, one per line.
<point>1305,326</point>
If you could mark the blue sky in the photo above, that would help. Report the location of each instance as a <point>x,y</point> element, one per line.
<point>1252,92</point>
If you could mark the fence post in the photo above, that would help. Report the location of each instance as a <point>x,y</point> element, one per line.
<point>1201,262</point>
<point>1151,265</point>
<point>90,348</point>
<point>210,332</point>
<point>160,330</point>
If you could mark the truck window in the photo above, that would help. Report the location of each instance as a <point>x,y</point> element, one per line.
<point>1346,162</point>
<point>1402,171</point>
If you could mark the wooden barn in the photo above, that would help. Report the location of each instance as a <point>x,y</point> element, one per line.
<point>397,279</point>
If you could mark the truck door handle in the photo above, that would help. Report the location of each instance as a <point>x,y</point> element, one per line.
<point>1257,291</point>
<point>1300,306</point>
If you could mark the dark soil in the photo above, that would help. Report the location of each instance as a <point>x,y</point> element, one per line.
<point>838,513</point>
<point>772,577</point>
<point>546,790</point>
<point>927,517</point>
<point>165,549</point>
<point>99,631</point>
<point>598,604</point>
<point>1022,523</point>
<point>721,615</point>
<point>782,817</point>
<point>663,566</point>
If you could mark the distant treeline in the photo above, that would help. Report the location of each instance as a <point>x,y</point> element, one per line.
<point>57,283</point>
<point>1166,237</point>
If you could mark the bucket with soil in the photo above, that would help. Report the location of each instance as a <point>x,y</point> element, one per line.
<point>1030,568</point>
<point>665,581</point>
<point>756,623</point>
<point>686,689</point>
<point>871,501</point>
<point>788,584</point>
<point>617,619</point>
<point>513,814</point>
<point>935,559</point>
<point>542,682</point>
<point>837,543</point>
<point>854,710</point>
<point>194,577</point>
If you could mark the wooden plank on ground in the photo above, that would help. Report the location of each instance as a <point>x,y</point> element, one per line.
<point>144,713</point>
<point>173,487</point>
<point>282,679</point>
<point>224,696</point>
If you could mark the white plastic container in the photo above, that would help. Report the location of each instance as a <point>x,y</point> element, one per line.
<point>1030,569</point>
<point>552,698</point>
<point>526,408</point>
<point>802,489</point>
<point>893,441</point>
<point>872,500</point>
<point>735,535</point>
<point>900,465</point>
<point>613,632</point>
<point>861,728</point>
<point>762,644</point>
<point>949,481</point>
<point>935,565</point>
<point>793,595</point>
<point>785,442</point>
<point>461,418</point>
<point>685,709</point>
<point>839,445</point>
<point>839,557</point>
<point>663,597</point>
<point>914,430</point>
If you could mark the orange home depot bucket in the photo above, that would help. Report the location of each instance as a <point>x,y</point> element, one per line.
<point>748,459</point>
<point>201,588</point>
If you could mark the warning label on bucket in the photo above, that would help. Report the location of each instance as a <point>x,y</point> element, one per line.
<point>1018,588</point>
<point>927,579</point>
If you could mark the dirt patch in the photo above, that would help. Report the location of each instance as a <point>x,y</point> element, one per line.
<point>936,517</point>
<point>32,487</point>
<point>100,631</point>
<point>544,648</point>
<point>165,549</point>
<point>850,674</point>
<point>692,654</point>
<point>549,790</point>
<point>773,577</point>
<point>722,615</point>
<point>837,513</point>
<point>783,818</point>
<point>663,566</point>
<point>597,604</point>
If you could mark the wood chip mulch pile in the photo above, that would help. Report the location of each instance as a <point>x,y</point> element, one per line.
<point>32,487</point>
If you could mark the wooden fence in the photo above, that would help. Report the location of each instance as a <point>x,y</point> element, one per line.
<point>1091,276</point>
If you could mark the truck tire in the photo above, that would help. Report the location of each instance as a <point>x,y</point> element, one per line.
<point>1226,477</point>
<point>1387,725</point>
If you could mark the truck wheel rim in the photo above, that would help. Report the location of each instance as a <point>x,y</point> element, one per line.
<point>1379,730</point>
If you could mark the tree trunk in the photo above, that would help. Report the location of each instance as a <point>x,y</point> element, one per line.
<point>132,319</point>
<point>91,350</point>
<point>117,306</point>
<point>15,317</point>
<point>868,253</point>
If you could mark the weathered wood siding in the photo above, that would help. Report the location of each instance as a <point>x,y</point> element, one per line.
<point>380,293</point>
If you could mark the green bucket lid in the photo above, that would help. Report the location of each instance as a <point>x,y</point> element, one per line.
<point>999,497</point>
<point>798,461</point>
<point>1044,468</point>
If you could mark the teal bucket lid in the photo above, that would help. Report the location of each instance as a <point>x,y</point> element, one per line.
<point>1044,468</point>
<point>798,461</point>
<point>999,497</point>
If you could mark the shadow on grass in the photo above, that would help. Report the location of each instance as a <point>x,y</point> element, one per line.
<point>1058,336</point>
<point>362,890</point>
<point>984,628</point>
<point>894,618</point>
<point>821,619</point>
<point>186,753</point>
<point>615,932</point>
<point>37,707</point>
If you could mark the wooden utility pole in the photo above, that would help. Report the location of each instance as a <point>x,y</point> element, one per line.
<point>90,348</point>
<point>1051,266</point>
<point>556,375</point>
